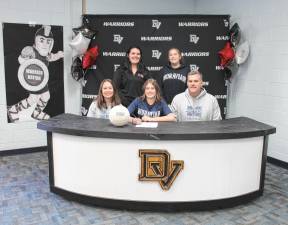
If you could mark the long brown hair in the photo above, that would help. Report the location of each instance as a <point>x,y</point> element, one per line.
<point>100,100</point>
<point>157,88</point>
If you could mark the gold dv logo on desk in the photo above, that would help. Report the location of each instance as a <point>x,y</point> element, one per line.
<point>157,166</point>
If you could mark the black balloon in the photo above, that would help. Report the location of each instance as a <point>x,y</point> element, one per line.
<point>228,73</point>
<point>76,69</point>
<point>86,31</point>
<point>230,69</point>
<point>235,34</point>
<point>233,66</point>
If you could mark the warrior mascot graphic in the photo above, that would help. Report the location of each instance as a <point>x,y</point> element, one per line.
<point>33,75</point>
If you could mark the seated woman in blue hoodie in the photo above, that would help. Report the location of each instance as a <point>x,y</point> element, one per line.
<point>150,107</point>
<point>172,77</point>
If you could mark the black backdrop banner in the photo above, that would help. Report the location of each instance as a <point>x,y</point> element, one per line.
<point>199,38</point>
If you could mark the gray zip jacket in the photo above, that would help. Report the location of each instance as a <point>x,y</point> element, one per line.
<point>204,107</point>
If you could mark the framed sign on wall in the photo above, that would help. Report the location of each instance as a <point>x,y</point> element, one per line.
<point>33,71</point>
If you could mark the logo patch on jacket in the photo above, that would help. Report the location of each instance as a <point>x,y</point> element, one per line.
<point>194,112</point>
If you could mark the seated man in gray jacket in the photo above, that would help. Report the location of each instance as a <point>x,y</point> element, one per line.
<point>195,104</point>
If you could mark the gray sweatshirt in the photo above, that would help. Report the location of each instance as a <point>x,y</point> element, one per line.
<point>94,111</point>
<point>204,107</point>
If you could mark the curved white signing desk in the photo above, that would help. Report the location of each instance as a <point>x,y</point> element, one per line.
<point>176,166</point>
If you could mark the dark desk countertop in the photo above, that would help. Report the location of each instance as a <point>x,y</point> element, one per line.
<point>240,127</point>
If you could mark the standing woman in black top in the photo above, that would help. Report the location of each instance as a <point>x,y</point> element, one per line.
<point>172,77</point>
<point>130,76</point>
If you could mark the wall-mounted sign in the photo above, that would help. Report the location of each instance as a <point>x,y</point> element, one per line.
<point>33,71</point>
<point>157,166</point>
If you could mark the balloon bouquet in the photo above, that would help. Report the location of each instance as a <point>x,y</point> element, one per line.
<point>234,53</point>
<point>84,52</point>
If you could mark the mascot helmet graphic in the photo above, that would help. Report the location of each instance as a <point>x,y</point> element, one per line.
<point>44,40</point>
<point>33,75</point>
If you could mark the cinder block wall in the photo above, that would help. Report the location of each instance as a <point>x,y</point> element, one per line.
<point>66,13</point>
<point>260,88</point>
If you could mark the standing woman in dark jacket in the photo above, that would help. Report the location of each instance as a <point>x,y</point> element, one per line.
<point>130,76</point>
<point>172,77</point>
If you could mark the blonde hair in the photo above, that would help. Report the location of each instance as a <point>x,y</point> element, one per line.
<point>194,72</point>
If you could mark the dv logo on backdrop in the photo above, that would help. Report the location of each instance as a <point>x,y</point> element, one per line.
<point>156,24</point>
<point>116,66</point>
<point>156,54</point>
<point>157,166</point>
<point>194,67</point>
<point>84,111</point>
<point>226,23</point>
<point>118,38</point>
<point>194,38</point>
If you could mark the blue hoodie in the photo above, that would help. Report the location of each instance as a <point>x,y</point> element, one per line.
<point>172,81</point>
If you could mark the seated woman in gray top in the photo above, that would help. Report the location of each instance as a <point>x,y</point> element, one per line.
<point>195,104</point>
<point>106,99</point>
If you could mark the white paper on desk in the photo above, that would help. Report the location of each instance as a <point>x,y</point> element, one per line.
<point>148,124</point>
